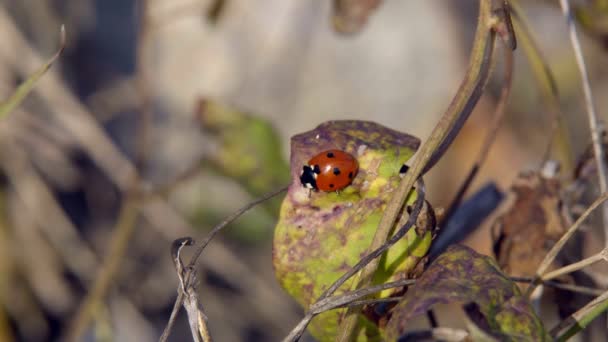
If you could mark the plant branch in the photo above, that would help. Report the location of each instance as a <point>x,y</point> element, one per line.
<point>552,254</point>
<point>598,148</point>
<point>580,319</point>
<point>345,299</point>
<point>431,151</point>
<point>199,250</point>
<point>602,255</point>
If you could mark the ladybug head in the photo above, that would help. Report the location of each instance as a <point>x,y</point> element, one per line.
<point>308,177</point>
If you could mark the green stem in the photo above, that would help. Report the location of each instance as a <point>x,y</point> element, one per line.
<point>461,106</point>
<point>581,319</point>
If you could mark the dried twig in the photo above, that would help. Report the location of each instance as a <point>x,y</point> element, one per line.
<point>602,255</point>
<point>589,291</point>
<point>580,319</point>
<point>188,283</point>
<point>346,299</point>
<point>544,265</point>
<point>201,248</point>
<point>596,134</point>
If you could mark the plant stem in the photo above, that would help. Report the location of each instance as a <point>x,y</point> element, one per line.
<point>580,319</point>
<point>602,255</point>
<point>461,106</point>
<point>598,148</point>
<point>544,265</point>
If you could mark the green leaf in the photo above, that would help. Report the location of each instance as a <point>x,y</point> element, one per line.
<point>321,235</point>
<point>26,87</point>
<point>248,148</point>
<point>460,275</point>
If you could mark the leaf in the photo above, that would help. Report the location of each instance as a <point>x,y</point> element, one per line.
<point>26,87</point>
<point>530,225</point>
<point>320,237</point>
<point>460,275</point>
<point>249,148</point>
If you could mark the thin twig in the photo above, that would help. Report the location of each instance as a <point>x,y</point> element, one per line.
<point>228,220</point>
<point>376,253</point>
<point>580,319</point>
<point>552,254</point>
<point>562,286</point>
<point>173,317</point>
<point>345,299</point>
<point>596,135</point>
<point>602,255</point>
<point>188,283</point>
<point>431,151</point>
<point>201,248</point>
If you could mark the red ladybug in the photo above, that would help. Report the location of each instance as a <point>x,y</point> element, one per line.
<point>331,170</point>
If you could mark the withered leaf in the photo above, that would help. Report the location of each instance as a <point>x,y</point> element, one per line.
<point>461,275</point>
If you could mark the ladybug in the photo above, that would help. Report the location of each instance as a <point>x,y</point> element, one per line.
<point>331,170</point>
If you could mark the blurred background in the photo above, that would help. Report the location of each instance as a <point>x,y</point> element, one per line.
<point>199,98</point>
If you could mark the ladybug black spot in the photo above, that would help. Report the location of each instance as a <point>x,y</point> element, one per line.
<point>316,169</point>
<point>350,175</point>
<point>331,186</point>
<point>330,154</point>
<point>336,171</point>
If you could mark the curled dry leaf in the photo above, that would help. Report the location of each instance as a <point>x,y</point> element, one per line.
<point>321,235</point>
<point>461,275</point>
<point>530,224</point>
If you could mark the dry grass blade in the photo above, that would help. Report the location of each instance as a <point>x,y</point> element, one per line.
<point>26,87</point>
<point>119,244</point>
<point>547,85</point>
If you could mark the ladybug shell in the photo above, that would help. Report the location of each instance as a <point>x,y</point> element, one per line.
<point>332,170</point>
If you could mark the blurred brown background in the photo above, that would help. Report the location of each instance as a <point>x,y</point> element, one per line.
<point>68,154</point>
